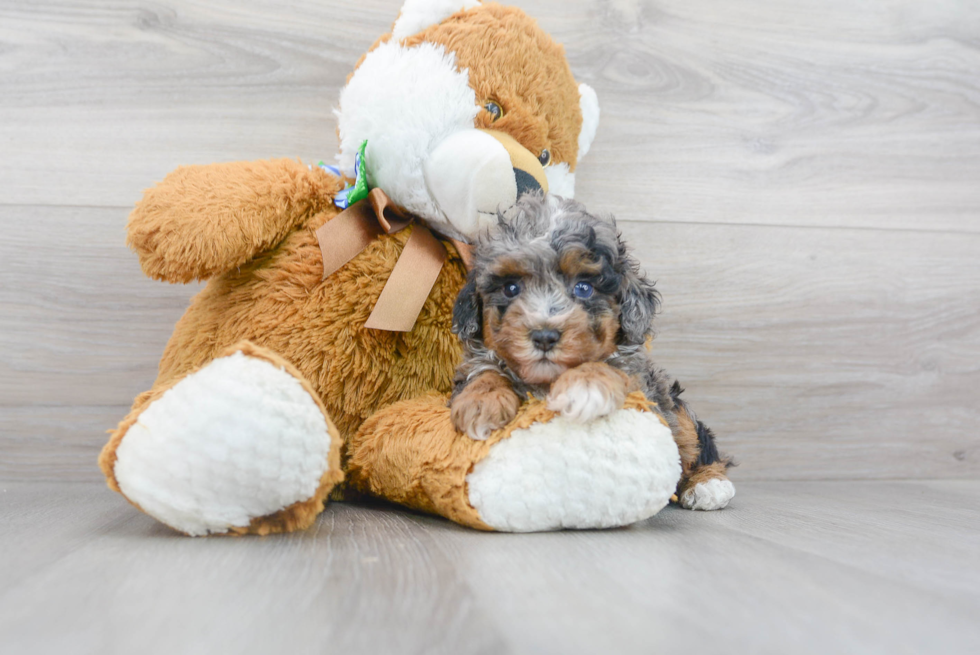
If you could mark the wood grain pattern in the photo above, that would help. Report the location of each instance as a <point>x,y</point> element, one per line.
<point>816,112</point>
<point>870,567</point>
<point>824,353</point>
<point>813,353</point>
<point>787,113</point>
<point>799,176</point>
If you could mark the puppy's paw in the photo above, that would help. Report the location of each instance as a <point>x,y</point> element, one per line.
<point>589,391</point>
<point>486,404</point>
<point>708,495</point>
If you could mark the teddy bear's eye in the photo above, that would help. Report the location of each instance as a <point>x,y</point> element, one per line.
<point>494,110</point>
<point>544,157</point>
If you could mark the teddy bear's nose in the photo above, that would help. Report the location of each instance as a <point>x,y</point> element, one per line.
<point>525,182</point>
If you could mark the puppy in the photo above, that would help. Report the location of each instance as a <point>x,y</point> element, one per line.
<point>556,307</point>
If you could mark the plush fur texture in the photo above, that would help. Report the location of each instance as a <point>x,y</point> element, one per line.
<point>469,175</point>
<point>279,301</point>
<point>236,408</point>
<point>462,64</point>
<point>429,467</point>
<point>541,106</point>
<point>202,221</point>
<point>404,102</point>
<point>556,307</point>
<point>286,518</point>
<point>554,474</point>
<point>589,103</point>
<point>248,229</point>
<point>416,15</point>
<point>561,181</point>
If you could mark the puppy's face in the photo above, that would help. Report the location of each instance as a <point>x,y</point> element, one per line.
<point>553,287</point>
<point>543,316</point>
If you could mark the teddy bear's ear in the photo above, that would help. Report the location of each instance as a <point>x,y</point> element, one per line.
<point>416,15</point>
<point>589,103</point>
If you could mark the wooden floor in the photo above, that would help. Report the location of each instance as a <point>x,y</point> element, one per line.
<point>811,567</point>
<point>802,177</point>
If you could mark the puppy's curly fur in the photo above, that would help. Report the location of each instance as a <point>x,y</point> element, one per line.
<point>556,307</point>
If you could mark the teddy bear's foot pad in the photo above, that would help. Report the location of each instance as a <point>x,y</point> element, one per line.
<point>611,472</point>
<point>239,439</point>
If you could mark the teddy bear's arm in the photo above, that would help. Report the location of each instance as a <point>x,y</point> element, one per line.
<point>201,221</point>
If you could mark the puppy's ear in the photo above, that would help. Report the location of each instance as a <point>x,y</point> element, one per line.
<point>638,300</point>
<point>467,313</point>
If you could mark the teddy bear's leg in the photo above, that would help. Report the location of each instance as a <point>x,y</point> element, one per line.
<point>241,445</point>
<point>541,472</point>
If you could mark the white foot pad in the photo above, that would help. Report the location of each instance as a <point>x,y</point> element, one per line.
<point>237,440</point>
<point>713,494</point>
<point>614,471</point>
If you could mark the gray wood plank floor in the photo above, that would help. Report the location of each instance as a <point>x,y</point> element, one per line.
<point>802,567</point>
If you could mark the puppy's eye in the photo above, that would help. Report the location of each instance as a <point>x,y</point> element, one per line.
<point>582,290</point>
<point>511,289</point>
<point>495,110</point>
<point>544,157</point>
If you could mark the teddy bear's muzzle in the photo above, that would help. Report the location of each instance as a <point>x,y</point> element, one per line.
<point>475,173</point>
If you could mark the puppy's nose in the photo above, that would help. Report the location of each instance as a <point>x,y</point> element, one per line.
<point>545,340</point>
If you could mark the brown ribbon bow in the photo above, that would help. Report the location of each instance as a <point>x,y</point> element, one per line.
<point>343,237</point>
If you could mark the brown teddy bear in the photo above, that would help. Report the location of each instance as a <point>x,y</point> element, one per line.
<point>322,345</point>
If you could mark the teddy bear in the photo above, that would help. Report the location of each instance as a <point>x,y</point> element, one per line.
<point>316,362</point>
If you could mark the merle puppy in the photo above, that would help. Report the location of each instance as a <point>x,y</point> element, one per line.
<point>556,307</point>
